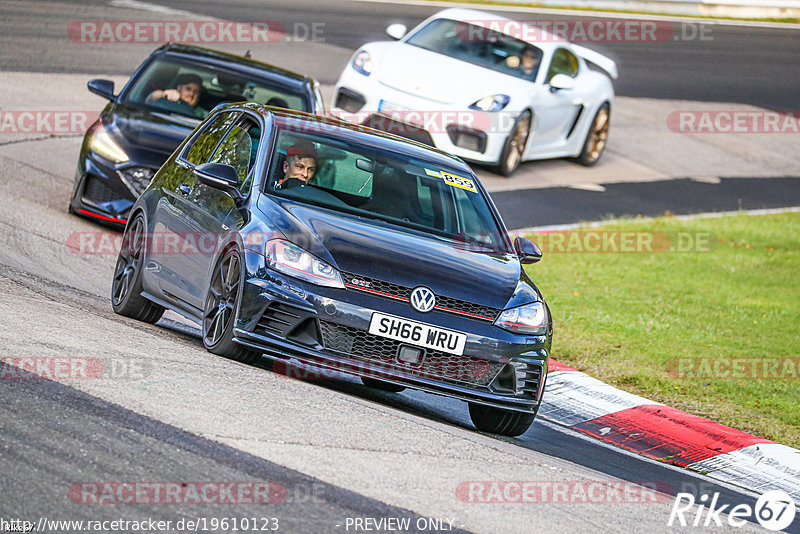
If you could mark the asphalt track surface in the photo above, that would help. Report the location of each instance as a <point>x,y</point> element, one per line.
<point>567,205</point>
<point>340,450</point>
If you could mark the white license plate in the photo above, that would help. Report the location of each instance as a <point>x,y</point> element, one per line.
<point>419,334</point>
<point>388,107</point>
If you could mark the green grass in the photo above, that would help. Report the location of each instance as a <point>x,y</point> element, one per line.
<point>622,317</point>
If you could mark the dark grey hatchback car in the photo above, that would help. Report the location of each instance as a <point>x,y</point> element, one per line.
<point>308,239</point>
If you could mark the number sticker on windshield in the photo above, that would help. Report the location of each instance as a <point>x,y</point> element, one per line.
<point>458,181</point>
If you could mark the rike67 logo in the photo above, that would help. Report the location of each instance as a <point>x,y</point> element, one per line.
<point>774,510</point>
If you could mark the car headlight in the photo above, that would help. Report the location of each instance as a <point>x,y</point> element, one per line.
<point>102,144</point>
<point>290,259</point>
<point>491,103</point>
<point>363,63</point>
<point>528,319</point>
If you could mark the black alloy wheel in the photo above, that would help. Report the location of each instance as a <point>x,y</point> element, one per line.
<point>219,313</point>
<point>126,288</point>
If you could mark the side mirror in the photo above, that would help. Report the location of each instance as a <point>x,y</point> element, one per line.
<point>104,88</point>
<point>527,250</point>
<point>561,81</point>
<point>219,176</point>
<point>396,31</point>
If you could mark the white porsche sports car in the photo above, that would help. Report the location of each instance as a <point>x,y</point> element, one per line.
<point>483,87</point>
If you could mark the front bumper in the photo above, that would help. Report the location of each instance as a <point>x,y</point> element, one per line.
<point>328,328</point>
<point>470,134</point>
<point>105,191</point>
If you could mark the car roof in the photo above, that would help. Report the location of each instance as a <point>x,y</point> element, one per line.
<point>308,123</point>
<point>546,40</point>
<point>264,70</point>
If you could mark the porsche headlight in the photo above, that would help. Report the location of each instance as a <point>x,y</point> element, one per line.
<point>528,319</point>
<point>101,143</point>
<point>491,103</point>
<point>292,260</point>
<point>363,63</point>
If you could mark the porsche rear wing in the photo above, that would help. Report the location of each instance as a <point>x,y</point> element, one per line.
<point>604,62</point>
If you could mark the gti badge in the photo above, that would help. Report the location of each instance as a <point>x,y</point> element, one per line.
<point>422,299</point>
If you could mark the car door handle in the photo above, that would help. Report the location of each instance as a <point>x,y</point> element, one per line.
<point>184,189</point>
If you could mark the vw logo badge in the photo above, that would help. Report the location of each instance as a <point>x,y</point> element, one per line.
<point>422,299</point>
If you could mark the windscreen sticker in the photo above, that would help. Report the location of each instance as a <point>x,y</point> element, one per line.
<point>458,181</point>
<point>435,174</point>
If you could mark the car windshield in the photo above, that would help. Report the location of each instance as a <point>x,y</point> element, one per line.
<point>192,89</point>
<point>395,189</point>
<point>479,46</point>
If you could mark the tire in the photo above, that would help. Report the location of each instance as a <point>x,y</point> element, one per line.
<point>499,421</point>
<point>219,311</point>
<point>596,138</point>
<point>126,288</point>
<point>511,156</point>
<point>381,385</point>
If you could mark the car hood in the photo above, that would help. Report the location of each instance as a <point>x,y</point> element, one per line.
<point>440,78</point>
<point>144,129</point>
<point>378,250</point>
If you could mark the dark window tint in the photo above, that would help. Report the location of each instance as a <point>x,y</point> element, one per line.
<point>204,144</point>
<point>238,149</point>
<point>564,62</point>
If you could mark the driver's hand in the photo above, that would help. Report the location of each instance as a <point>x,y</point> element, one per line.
<point>172,95</point>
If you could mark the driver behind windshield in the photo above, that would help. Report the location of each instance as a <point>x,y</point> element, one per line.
<point>184,99</point>
<point>300,164</point>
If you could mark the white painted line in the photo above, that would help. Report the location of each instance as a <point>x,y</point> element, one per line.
<point>707,179</point>
<point>573,397</point>
<point>589,13</point>
<point>595,224</point>
<point>146,6</point>
<point>588,186</point>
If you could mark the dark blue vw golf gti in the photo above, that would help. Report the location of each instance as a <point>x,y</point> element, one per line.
<point>304,238</point>
<point>161,104</point>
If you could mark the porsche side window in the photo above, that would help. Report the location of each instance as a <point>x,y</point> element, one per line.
<point>208,139</point>
<point>564,62</point>
<point>238,149</point>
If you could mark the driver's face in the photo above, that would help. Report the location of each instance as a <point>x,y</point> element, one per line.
<point>529,62</point>
<point>301,168</point>
<point>190,93</point>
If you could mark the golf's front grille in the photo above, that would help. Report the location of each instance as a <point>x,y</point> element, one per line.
<point>446,304</point>
<point>97,191</point>
<point>362,346</point>
<point>137,178</point>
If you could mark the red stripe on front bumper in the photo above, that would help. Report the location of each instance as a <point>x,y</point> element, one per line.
<point>103,217</point>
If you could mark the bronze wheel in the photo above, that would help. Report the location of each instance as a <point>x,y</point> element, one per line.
<point>596,138</point>
<point>511,156</point>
